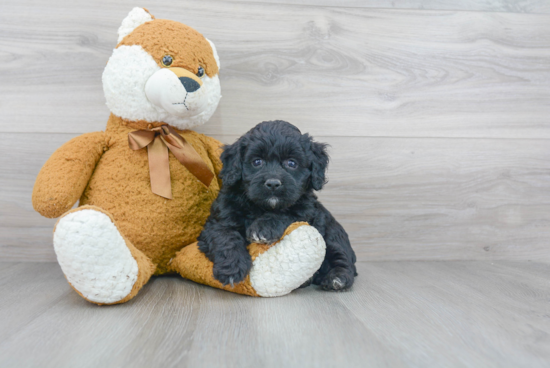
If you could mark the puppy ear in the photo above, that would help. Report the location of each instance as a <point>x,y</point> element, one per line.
<point>232,169</point>
<point>318,158</point>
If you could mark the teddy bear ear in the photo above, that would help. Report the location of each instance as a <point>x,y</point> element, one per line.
<point>135,18</point>
<point>215,52</point>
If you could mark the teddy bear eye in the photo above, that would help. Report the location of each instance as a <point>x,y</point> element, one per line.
<point>257,162</point>
<point>167,60</point>
<point>292,164</point>
<point>200,73</point>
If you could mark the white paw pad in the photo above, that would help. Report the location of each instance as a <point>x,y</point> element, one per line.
<point>94,256</point>
<point>288,264</point>
<point>337,284</point>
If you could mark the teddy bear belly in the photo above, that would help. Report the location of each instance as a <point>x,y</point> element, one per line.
<point>157,226</point>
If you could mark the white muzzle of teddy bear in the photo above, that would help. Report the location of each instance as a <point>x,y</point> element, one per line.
<point>176,91</point>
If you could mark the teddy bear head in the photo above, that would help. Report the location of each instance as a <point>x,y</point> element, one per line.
<point>162,71</point>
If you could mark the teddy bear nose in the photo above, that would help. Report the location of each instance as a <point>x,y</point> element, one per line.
<point>189,84</point>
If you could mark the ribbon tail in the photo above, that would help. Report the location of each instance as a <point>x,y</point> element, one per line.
<point>188,157</point>
<point>159,168</point>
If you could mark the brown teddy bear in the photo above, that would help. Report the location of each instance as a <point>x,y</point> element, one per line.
<point>146,183</point>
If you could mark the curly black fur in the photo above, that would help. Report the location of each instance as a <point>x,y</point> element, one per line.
<point>263,193</point>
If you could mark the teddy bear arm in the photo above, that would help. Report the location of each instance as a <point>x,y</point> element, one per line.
<point>63,178</point>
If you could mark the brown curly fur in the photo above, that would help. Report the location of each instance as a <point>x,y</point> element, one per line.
<point>115,178</point>
<point>188,48</point>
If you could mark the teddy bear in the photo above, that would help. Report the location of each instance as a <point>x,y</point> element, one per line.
<point>144,186</point>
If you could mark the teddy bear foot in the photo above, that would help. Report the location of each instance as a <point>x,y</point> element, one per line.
<point>290,263</point>
<point>96,259</point>
<point>277,269</point>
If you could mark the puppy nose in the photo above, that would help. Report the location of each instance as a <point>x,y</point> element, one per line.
<point>273,184</point>
<point>189,84</point>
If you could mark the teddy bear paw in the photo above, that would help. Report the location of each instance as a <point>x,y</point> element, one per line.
<point>94,256</point>
<point>289,263</point>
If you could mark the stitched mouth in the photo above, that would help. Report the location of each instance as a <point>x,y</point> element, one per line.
<point>183,103</point>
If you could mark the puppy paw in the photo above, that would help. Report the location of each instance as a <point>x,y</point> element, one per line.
<point>231,267</point>
<point>265,231</point>
<point>337,279</point>
<point>307,283</point>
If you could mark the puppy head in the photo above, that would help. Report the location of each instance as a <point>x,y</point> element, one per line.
<point>162,71</point>
<point>275,164</point>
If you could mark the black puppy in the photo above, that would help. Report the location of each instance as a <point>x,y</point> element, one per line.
<point>269,176</point>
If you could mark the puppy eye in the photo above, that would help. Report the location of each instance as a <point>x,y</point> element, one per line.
<point>200,73</point>
<point>167,60</point>
<point>292,164</point>
<point>257,162</point>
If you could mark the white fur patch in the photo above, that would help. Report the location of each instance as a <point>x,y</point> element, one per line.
<point>124,79</point>
<point>288,264</point>
<point>134,19</point>
<point>273,202</point>
<point>215,52</point>
<point>94,256</point>
<point>124,84</point>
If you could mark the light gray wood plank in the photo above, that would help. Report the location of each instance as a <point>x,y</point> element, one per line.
<point>28,290</point>
<point>5,267</point>
<point>523,6</point>
<point>398,198</point>
<point>24,234</point>
<point>311,327</point>
<point>431,313</point>
<point>410,314</point>
<point>333,71</point>
<point>415,199</point>
<point>176,322</point>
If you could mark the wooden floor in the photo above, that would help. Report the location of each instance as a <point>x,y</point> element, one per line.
<point>410,314</point>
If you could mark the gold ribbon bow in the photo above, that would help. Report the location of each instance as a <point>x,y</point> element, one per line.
<point>158,141</point>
